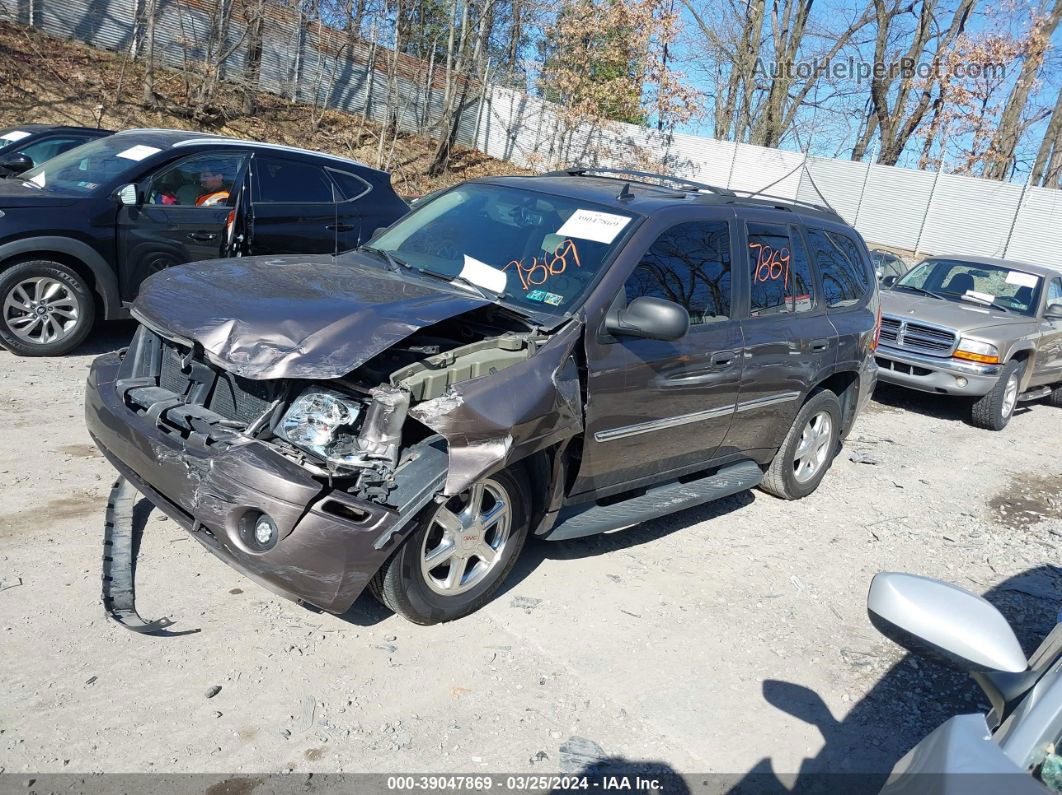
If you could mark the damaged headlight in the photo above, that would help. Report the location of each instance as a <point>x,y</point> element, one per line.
<point>321,421</point>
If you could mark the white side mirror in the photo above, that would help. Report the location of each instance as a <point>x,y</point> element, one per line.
<point>928,616</point>
<point>127,195</point>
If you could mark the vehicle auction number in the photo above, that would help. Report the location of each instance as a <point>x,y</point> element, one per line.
<point>771,264</point>
<point>539,271</point>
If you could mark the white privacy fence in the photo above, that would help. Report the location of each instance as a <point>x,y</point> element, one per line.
<point>922,211</point>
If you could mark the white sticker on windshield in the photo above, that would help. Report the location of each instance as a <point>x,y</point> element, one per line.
<point>1022,279</point>
<point>484,275</point>
<point>592,225</point>
<point>38,180</point>
<point>139,152</point>
<point>14,135</point>
<point>985,297</point>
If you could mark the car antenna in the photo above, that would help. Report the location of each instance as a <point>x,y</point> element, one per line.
<point>625,194</point>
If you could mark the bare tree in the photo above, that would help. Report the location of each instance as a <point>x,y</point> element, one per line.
<point>150,13</point>
<point>999,159</point>
<point>1047,169</point>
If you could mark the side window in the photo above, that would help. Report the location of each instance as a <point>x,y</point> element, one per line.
<point>40,151</point>
<point>291,182</point>
<point>688,264</point>
<point>197,181</point>
<point>780,275</point>
<point>1054,292</point>
<point>350,186</point>
<point>844,279</point>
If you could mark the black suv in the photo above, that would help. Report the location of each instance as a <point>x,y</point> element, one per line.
<point>550,356</point>
<point>22,148</point>
<point>84,229</point>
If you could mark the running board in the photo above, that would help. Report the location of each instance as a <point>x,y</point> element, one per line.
<point>591,518</point>
<point>1034,394</point>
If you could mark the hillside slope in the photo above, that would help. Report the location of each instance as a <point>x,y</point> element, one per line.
<point>52,80</point>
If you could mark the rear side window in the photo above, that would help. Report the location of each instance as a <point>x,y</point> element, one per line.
<point>844,278</point>
<point>690,265</point>
<point>780,275</point>
<point>291,182</point>
<point>350,186</point>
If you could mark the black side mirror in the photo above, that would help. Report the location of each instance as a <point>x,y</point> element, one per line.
<point>17,163</point>
<point>652,318</point>
<point>889,281</point>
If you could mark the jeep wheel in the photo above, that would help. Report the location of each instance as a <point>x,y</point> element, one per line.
<point>995,409</point>
<point>458,555</point>
<point>808,450</point>
<point>46,309</point>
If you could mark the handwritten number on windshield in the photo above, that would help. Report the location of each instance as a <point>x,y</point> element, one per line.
<point>771,264</point>
<point>539,271</point>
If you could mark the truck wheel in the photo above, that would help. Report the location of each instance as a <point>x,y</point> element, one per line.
<point>1055,398</point>
<point>458,555</point>
<point>808,450</point>
<point>46,309</point>
<point>995,409</point>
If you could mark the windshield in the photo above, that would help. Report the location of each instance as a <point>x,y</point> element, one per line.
<point>85,168</point>
<point>1006,288</point>
<point>542,251</point>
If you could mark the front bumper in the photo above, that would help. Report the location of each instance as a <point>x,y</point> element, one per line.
<point>936,375</point>
<point>328,541</point>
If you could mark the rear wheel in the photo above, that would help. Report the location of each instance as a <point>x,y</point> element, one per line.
<point>459,554</point>
<point>1055,398</point>
<point>808,450</point>
<point>46,308</point>
<point>995,409</point>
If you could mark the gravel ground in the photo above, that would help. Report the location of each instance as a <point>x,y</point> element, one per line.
<point>729,638</point>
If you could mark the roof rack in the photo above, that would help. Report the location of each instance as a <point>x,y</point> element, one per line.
<point>729,193</point>
<point>579,171</point>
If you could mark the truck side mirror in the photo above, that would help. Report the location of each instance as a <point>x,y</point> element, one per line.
<point>1054,312</point>
<point>128,195</point>
<point>651,318</point>
<point>888,281</point>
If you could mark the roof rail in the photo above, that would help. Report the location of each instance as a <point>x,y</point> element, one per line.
<point>768,197</point>
<point>579,171</point>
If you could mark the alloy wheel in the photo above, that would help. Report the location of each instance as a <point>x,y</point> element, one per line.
<point>466,539</point>
<point>813,451</point>
<point>41,310</point>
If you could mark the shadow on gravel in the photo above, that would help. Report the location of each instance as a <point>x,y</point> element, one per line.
<point>907,703</point>
<point>941,407</point>
<point>105,337</point>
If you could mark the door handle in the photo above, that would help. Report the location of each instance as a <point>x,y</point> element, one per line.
<point>340,227</point>
<point>203,236</point>
<point>720,360</point>
<point>820,345</point>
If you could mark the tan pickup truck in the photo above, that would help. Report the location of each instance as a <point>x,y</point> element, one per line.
<point>975,327</point>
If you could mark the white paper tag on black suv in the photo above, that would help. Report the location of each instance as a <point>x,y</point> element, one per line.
<point>592,225</point>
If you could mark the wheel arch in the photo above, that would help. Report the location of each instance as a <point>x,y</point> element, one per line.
<point>76,255</point>
<point>1025,353</point>
<point>844,384</point>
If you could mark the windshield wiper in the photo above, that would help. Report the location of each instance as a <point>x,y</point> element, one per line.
<point>980,302</point>
<point>920,290</point>
<point>483,291</point>
<point>393,262</point>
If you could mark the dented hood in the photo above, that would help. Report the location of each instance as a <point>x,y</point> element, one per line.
<point>293,317</point>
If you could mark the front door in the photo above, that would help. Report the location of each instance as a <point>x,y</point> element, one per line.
<point>293,207</point>
<point>656,407</point>
<point>182,219</point>
<point>1049,349</point>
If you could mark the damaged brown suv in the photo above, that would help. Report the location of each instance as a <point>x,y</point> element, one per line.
<point>550,357</point>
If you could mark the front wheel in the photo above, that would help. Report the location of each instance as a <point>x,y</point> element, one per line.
<point>46,308</point>
<point>459,554</point>
<point>808,450</point>
<point>995,409</point>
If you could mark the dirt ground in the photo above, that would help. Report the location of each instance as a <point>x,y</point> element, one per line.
<point>730,638</point>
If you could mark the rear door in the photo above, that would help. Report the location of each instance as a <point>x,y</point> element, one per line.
<point>789,342</point>
<point>183,218</point>
<point>293,206</point>
<point>656,407</point>
<point>353,199</point>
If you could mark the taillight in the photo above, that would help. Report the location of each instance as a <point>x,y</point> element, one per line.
<point>877,332</point>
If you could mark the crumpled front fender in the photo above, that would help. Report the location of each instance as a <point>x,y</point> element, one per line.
<point>495,420</point>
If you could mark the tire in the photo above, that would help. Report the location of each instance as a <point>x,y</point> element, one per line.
<point>46,308</point>
<point>995,409</point>
<point>433,596</point>
<point>819,420</point>
<point>1055,398</point>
